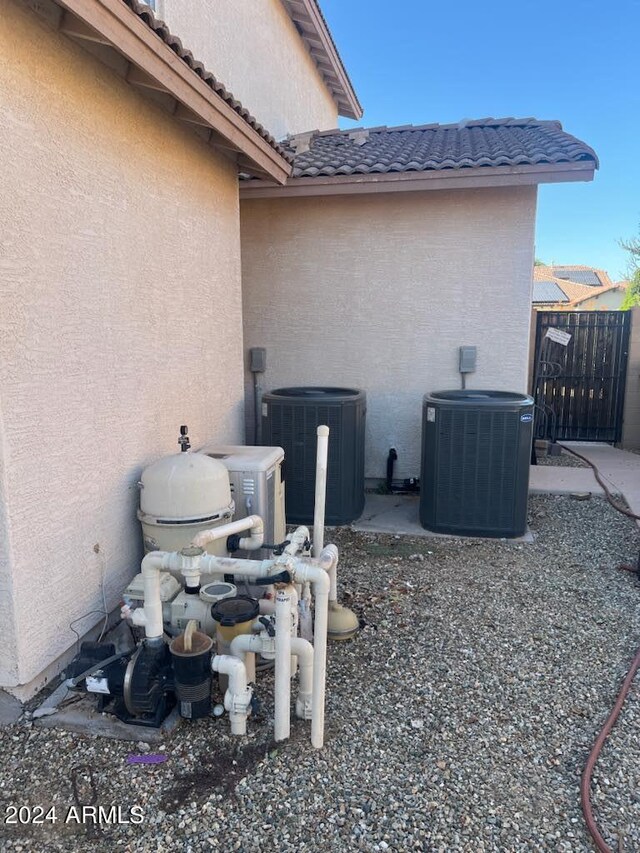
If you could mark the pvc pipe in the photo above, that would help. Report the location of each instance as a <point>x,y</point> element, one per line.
<point>320,580</point>
<point>305,620</point>
<point>297,541</point>
<point>237,699</point>
<point>135,617</point>
<point>304,652</point>
<point>247,646</point>
<point>328,559</point>
<point>267,606</point>
<point>293,630</point>
<point>212,565</point>
<point>151,567</point>
<point>283,664</point>
<point>321,489</point>
<point>253,542</point>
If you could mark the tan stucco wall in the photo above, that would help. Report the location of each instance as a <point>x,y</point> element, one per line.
<point>378,291</point>
<point>610,301</point>
<point>254,49</point>
<point>121,319</point>
<point>631,415</point>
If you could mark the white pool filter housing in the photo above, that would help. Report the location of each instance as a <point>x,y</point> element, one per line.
<point>257,487</point>
<point>180,496</point>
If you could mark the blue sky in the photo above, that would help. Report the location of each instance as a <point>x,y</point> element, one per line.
<point>422,61</point>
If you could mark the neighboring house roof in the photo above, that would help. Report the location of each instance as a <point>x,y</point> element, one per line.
<point>314,30</point>
<point>548,291</point>
<point>126,35</point>
<point>597,291</point>
<point>573,292</point>
<point>589,277</point>
<point>487,152</point>
<point>578,273</point>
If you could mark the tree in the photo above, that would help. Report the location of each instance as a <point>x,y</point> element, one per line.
<point>633,247</point>
<point>539,263</point>
<point>632,296</point>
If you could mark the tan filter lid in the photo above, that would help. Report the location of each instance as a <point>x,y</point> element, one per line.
<point>185,486</point>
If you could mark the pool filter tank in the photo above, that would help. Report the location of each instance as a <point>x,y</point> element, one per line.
<point>181,495</point>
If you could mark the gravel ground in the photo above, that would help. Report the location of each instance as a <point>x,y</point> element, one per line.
<point>565,460</point>
<point>458,720</point>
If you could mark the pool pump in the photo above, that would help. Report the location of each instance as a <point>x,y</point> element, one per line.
<point>137,686</point>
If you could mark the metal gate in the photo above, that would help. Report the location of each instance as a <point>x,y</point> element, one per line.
<point>579,388</point>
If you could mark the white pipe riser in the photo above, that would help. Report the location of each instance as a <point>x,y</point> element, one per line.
<point>283,664</point>
<point>321,489</point>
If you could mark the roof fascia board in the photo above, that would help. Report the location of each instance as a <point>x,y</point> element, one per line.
<point>351,106</point>
<point>495,176</point>
<point>113,23</point>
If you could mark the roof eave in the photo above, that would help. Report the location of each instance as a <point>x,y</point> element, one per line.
<point>444,179</point>
<point>315,33</point>
<point>118,37</point>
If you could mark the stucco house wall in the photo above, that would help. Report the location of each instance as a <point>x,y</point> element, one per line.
<point>379,290</point>
<point>254,47</point>
<point>121,319</point>
<point>609,301</point>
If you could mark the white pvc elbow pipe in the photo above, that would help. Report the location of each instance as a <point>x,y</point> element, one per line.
<point>320,580</point>
<point>237,699</point>
<point>304,652</point>
<point>282,723</point>
<point>253,542</point>
<point>267,606</point>
<point>245,647</point>
<point>328,559</point>
<point>321,489</point>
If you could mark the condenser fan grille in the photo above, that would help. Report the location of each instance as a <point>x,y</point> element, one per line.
<point>475,468</point>
<point>290,419</point>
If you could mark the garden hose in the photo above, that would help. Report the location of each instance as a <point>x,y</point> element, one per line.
<point>592,760</point>
<point>601,482</point>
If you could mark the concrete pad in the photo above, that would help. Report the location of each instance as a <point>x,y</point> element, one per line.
<point>619,468</point>
<point>556,480</point>
<point>10,709</point>
<point>82,717</point>
<point>398,515</point>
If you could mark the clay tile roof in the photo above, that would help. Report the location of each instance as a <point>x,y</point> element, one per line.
<point>574,291</point>
<point>469,144</point>
<point>146,14</point>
